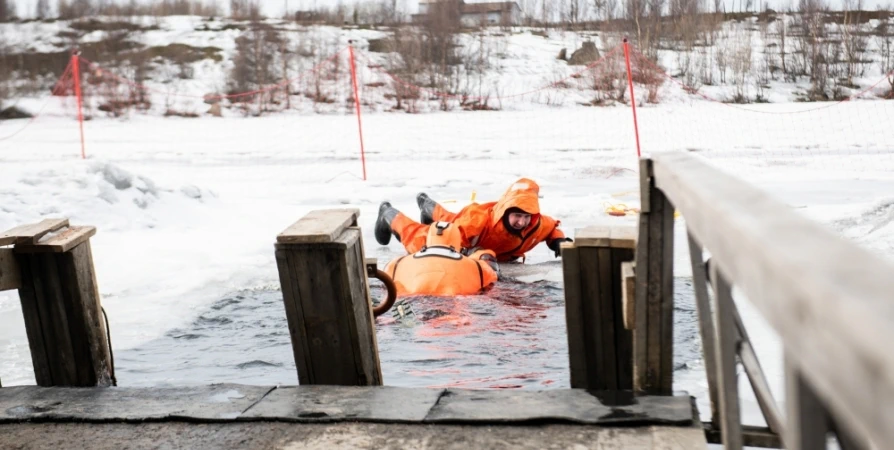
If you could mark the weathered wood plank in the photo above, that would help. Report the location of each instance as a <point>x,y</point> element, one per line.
<point>574,405</point>
<point>706,328</point>
<point>330,318</point>
<point>292,301</point>
<point>89,337</point>
<point>40,358</point>
<point>727,337</point>
<point>623,341</point>
<point>808,421</point>
<point>10,274</point>
<point>591,311</point>
<point>601,236</point>
<point>752,436</point>
<point>60,242</point>
<point>836,321</point>
<point>605,321</point>
<point>359,313</point>
<point>628,296</point>
<point>641,376</point>
<point>574,315</point>
<point>756,377</point>
<point>30,233</point>
<point>319,226</point>
<point>654,291</point>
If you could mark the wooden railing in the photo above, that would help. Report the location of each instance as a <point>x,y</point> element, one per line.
<point>831,302</point>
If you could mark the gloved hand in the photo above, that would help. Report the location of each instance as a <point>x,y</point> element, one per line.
<point>555,245</point>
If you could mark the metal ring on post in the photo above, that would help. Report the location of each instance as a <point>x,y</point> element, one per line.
<point>392,293</point>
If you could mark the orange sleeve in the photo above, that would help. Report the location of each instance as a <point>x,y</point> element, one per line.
<point>556,233</point>
<point>471,220</point>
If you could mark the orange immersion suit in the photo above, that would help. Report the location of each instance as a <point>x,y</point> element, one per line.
<point>439,268</point>
<point>482,225</point>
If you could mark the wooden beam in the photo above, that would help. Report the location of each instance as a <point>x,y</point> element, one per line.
<point>319,226</point>
<point>327,303</point>
<point>808,421</point>
<point>728,382</point>
<point>31,233</point>
<point>10,274</point>
<point>752,436</point>
<point>628,295</point>
<point>835,322</point>
<point>64,241</point>
<point>706,328</point>
<point>756,377</point>
<point>653,337</point>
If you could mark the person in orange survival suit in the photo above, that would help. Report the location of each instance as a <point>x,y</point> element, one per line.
<point>510,227</point>
<point>440,268</point>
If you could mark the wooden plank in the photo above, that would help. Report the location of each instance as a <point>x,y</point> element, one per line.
<point>292,302</point>
<point>752,436</point>
<point>727,337</point>
<point>593,236</point>
<point>40,358</point>
<point>641,325</point>
<point>666,345</point>
<point>623,337</point>
<point>756,377</point>
<point>600,368</point>
<point>605,326</point>
<point>706,329</point>
<point>10,274</point>
<point>623,237</point>
<point>836,321</point>
<point>358,311</point>
<point>89,338</point>
<point>60,242</point>
<point>628,281</point>
<point>319,226</point>
<point>601,236</point>
<point>574,315</point>
<point>30,233</point>
<point>808,421</point>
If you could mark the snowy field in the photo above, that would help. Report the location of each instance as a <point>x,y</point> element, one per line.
<point>187,210</point>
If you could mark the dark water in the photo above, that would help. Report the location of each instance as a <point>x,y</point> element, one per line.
<point>511,337</point>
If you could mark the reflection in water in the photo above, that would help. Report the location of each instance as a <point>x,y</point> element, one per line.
<point>512,336</point>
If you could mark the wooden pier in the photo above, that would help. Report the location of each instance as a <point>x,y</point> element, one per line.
<point>830,301</point>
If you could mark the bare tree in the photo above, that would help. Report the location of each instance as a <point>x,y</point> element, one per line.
<point>885,42</point>
<point>854,41</point>
<point>43,9</point>
<point>7,10</point>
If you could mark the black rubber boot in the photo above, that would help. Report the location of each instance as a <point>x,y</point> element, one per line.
<point>426,208</point>
<point>383,223</point>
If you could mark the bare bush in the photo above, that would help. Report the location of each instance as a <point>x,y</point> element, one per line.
<point>255,65</point>
<point>885,42</point>
<point>7,10</point>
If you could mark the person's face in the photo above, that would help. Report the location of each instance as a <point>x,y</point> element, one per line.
<point>519,221</point>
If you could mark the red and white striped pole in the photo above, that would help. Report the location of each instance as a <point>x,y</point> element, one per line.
<point>357,104</point>
<point>76,71</point>
<point>632,98</point>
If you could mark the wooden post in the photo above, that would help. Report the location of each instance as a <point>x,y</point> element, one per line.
<point>808,422</point>
<point>61,305</point>
<point>727,337</point>
<point>600,347</point>
<point>705,322</point>
<point>326,295</point>
<point>653,337</point>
